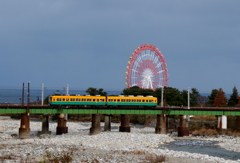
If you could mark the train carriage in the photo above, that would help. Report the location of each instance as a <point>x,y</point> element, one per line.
<point>131,101</point>
<point>77,100</point>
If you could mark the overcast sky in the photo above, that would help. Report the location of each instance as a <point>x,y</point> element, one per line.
<point>88,43</point>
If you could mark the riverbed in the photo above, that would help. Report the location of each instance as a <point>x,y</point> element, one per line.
<point>112,146</point>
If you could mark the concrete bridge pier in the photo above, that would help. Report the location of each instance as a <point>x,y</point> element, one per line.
<point>125,123</point>
<point>45,125</point>
<point>161,124</point>
<point>62,125</point>
<point>222,123</point>
<point>183,126</point>
<point>95,128</point>
<point>107,122</point>
<point>24,130</point>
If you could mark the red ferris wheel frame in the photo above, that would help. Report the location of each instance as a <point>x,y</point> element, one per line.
<point>147,68</point>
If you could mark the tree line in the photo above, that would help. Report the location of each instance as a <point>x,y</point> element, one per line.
<point>175,97</point>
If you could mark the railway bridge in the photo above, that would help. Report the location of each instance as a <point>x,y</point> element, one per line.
<point>160,112</point>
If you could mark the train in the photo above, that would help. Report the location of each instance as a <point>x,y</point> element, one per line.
<point>103,100</point>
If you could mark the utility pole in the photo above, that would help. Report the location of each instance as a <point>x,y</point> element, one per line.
<point>67,90</point>
<point>162,96</point>
<point>188,98</point>
<point>23,94</point>
<point>28,110</point>
<point>42,93</point>
<point>67,94</point>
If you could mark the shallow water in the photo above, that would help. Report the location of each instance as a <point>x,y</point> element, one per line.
<point>201,146</point>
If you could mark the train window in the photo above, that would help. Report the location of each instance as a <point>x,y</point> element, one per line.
<point>72,99</point>
<point>88,99</point>
<point>123,100</point>
<point>114,100</point>
<point>63,99</point>
<point>58,99</point>
<point>101,100</point>
<point>67,99</point>
<point>138,100</point>
<point>133,100</point>
<point>93,100</point>
<point>128,100</point>
<point>97,100</point>
<point>84,99</point>
<point>77,99</point>
<point>146,100</point>
<point>143,100</point>
<point>118,100</point>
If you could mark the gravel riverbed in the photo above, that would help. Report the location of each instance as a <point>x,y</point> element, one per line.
<point>140,145</point>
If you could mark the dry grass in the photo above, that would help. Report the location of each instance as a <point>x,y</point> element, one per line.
<point>65,156</point>
<point>204,118</point>
<point>150,158</point>
<point>231,133</point>
<point>204,132</point>
<point>154,158</point>
<point>134,152</point>
<point>6,157</point>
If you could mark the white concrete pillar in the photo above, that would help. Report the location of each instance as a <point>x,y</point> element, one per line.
<point>222,122</point>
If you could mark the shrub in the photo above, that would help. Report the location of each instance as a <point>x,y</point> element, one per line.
<point>194,126</point>
<point>63,157</point>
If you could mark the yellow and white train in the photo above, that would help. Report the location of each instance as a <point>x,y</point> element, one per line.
<point>103,100</point>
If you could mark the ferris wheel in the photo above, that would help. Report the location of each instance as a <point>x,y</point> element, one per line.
<point>147,68</point>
